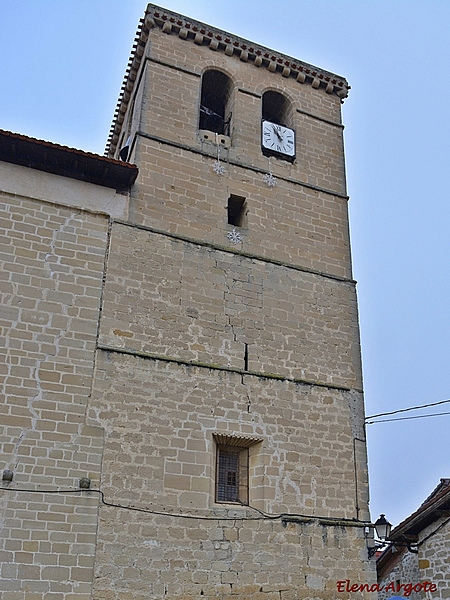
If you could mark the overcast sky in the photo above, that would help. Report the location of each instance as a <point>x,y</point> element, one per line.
<point>61,69</point>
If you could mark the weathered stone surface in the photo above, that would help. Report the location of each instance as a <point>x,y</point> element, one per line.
<point>52,266</point>
<point>174,298</point>
<point>108,299</point>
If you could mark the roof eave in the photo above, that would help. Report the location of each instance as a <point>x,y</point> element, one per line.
<point>68,162</point>
<point>425,515</point>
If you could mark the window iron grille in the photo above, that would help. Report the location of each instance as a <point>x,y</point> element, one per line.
<point>232,474</point>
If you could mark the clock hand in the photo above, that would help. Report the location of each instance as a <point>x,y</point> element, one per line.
<point>277,133</point>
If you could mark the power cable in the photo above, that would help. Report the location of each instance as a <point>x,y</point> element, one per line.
<point>400,410</point>
<point>407,418</point>
<point>264,516</point>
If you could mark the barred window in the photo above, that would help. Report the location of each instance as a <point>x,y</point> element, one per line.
<point>234,455</point>
<point>232,474</point>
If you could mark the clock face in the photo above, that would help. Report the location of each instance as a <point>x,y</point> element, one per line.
<point>278,140</point>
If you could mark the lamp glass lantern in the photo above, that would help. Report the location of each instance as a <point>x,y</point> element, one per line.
<point>382,527</point>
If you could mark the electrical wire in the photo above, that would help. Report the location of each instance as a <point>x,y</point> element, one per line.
<point>400,410</point>
<point>408,418</point>
<point>136,508</point>
<point>264,516</point>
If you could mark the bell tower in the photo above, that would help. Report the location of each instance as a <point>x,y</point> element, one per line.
<point>228,375</point>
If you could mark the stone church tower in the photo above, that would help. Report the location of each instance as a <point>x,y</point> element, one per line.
<point>219,408</point>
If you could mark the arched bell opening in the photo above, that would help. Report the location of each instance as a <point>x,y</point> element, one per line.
<point>215,102</point>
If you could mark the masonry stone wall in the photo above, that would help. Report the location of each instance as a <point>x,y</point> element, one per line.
<point>434,556</point>
<point>180,193</point>
<point>159,419</point>
<point>137,332</point>
<point>51,276</point>
<point>430,564</point>
<point>404,572</point>
<point>200,336</point>
<point>169,297</point>
<point>173,63</point>
<point>150,557</point>
<point>303,220</point>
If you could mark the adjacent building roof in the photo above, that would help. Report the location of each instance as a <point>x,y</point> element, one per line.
<point>220,41</point>
<point>436,506</point>
<point>68,162</point>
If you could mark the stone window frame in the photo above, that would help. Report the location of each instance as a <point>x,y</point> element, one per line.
<point>232,451</point>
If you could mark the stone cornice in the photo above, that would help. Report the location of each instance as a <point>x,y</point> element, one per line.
<point>220,41</point>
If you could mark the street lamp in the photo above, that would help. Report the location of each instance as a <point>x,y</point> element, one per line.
<point>382,527</point>
<point>383,531</point>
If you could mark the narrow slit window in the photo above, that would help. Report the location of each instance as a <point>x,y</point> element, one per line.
<point>237,211</point>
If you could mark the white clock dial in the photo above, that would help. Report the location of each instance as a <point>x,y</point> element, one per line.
<point>278,139</point>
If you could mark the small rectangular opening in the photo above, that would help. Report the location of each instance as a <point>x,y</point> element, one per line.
<point>237,211</point>
<point>232,474</point>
